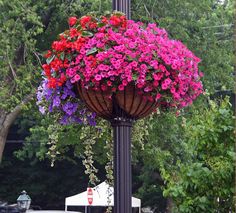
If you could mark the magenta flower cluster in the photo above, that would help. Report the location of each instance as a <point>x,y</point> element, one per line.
<point>164,69</point>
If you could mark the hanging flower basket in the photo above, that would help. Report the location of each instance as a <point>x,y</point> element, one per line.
<point>102,60</point>
<point>131,100</point>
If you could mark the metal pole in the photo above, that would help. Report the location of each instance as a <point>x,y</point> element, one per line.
<point>123,6</point>
<point>122,124</point>
<point>122,165</point>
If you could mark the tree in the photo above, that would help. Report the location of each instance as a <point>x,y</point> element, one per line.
<point>204,183</point>
<point>19,25</point>
<point>164,147</point>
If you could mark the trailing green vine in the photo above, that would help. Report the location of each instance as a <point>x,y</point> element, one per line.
<point>53,137</point>
<point>88,139</point>
<point>109,167</point>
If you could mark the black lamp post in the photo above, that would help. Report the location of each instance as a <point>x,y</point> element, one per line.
<point>23,201</point>
<point>122,124</point>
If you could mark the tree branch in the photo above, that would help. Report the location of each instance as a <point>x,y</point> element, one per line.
<point>153,6</point>
<point>10,118</point>
<point>11,67</point>
<point>12,88</point>
<point>37,56</point>
<point>147,11</point>
<point>2,117</point>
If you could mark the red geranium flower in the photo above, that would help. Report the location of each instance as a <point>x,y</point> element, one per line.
<point>74,32</point>
<point>47,70</point>
<point>72,21</point>
<point>48,54</point>
<point>92,25</point>
<point>84,20</point>
<point>104,20</point>
<point>52,83</point>
<point>115,20</point>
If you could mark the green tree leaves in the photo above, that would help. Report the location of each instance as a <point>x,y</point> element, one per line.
<point>205,183</point>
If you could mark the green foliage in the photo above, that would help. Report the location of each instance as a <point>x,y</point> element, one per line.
<point>163,150</point>
<point>205,183</point>
<point>88,143</point>
<point>19,24</point>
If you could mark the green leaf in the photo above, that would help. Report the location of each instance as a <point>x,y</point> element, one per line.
<point>91,51</point>
<point>68,57</point>
<point>87,34</point>
<point>49,60</point>
<point>101,24</point>
<point>62,56</point>
<point>134,76</point>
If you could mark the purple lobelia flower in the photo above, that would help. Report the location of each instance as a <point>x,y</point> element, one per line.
<point>64,120</point>
<point>56,101</point>
<point>91,119</point>
<point>78,120</point>
<point>50,108</point>
<point>67,93</point>
<point>70,108</point>
<point>42,109</point>
<point>48,94</point>
<point>69,85</point>
<point>40,95</point>
<point>41,92</point>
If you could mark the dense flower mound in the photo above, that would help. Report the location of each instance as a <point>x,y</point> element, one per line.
<point>110,52</point>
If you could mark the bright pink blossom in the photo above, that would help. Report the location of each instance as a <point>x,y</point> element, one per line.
<point>121,87</point>
<point>98,77</point>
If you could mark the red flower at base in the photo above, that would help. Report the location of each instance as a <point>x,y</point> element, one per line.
<point>47,70</point>
<point>115,21</point>
<point>85,20</point>
<point>48,54</point>
<point>52,83</point>
<point>72,21</point>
